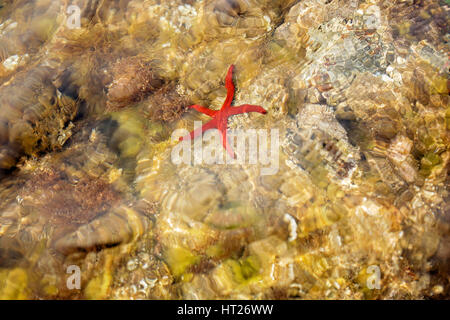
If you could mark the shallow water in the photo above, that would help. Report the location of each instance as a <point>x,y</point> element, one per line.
<point>339,191</point>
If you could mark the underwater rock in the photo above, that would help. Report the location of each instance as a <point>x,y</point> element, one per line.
<point>166,104</point>
<point>63,191</point>
<point>66,201</point>
<point>318,144</point>
<point>24,29</point>
<point>234,17</point>
<point>413,22</point>
<point>13,284</point>
<point>121,225</point>
<point>143,276</point>
<point>35,116</point>
<point>400,154</point>
<point>132,81</point>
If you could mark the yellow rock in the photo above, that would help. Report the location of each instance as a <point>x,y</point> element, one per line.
<point>179,259</point>
<point>13,284</point>
<point>98,287</point>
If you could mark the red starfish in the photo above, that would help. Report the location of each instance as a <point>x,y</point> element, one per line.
<point>220,117</point>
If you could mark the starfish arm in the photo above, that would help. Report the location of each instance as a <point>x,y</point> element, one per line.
<point>204,110</point>
<point>226,144</point>
<point>246,108</point>
<point>199,131</point>
<point>230,88</point>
